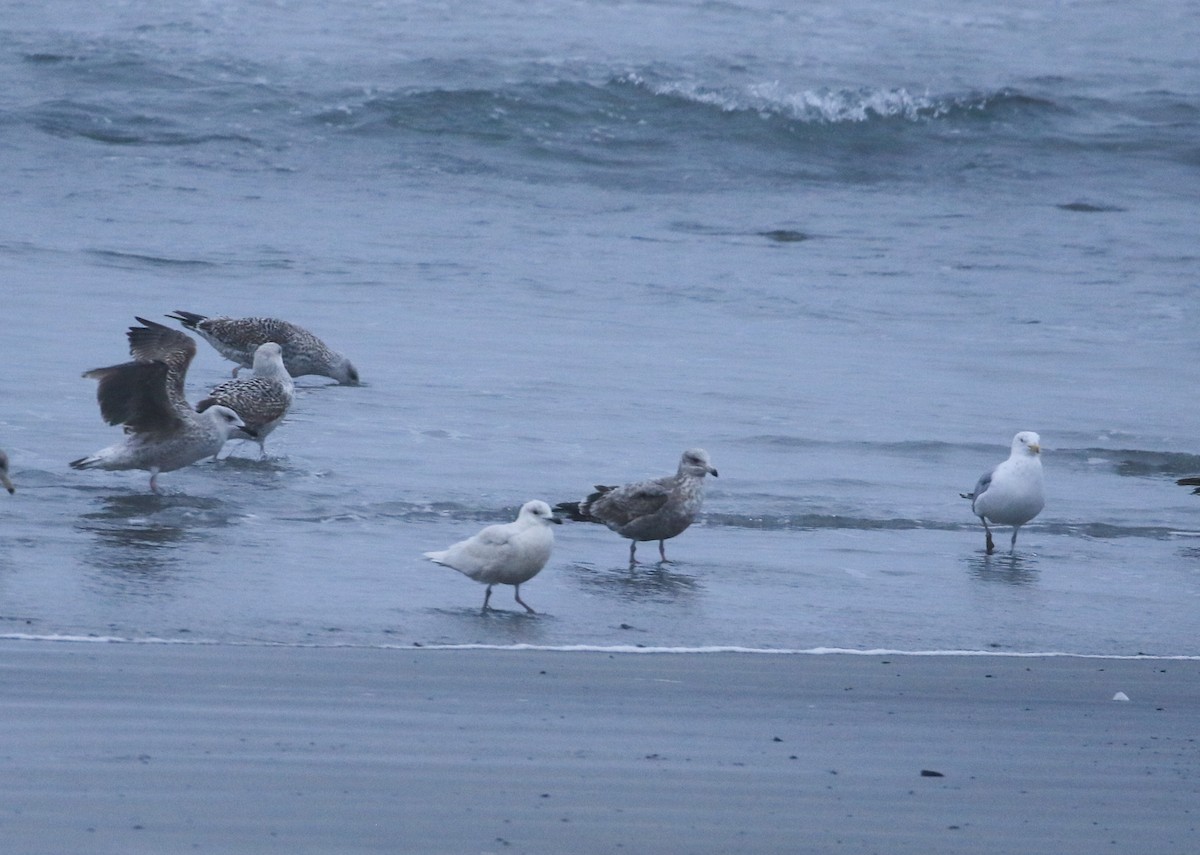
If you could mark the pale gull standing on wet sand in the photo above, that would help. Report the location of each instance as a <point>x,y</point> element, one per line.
<point>303,353</point>
<point>262,400</point>
<point>508,554</point>
<point>4,479</point>
<point>1011,494</point>
<point>162,432</point>
<point>657,509</point>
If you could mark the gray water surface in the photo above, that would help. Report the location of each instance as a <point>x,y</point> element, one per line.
<point>849,272</point>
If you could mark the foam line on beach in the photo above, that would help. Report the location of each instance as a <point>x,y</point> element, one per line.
<point>600,648</point>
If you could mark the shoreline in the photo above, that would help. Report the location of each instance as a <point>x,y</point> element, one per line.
<point>620,649</point>
<point>132,747</point>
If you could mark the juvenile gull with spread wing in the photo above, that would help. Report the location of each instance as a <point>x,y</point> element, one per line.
<point>508,554</point>
<point>262,400</point>
<point>657,509</point>
<point>303,353</point>
<point>162,431</point>
<point>1011,493</point>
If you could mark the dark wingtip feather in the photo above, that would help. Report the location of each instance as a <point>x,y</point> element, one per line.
<point>188,319</point>
<point>571,511</point>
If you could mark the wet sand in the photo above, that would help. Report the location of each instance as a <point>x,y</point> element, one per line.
<point>130,748</point>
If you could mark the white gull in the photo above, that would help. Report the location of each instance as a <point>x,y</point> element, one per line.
<point>1011,493</point>
<point>507,554</point>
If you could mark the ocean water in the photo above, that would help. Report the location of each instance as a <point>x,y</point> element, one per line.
<point>848,248</point>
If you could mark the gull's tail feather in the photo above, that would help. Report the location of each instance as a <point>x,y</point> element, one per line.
<point>188,319</point>
<point>582,511</point>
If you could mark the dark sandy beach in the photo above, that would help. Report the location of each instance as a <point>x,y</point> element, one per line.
<point>128,748</point>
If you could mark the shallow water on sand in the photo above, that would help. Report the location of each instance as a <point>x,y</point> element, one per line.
<point>851,282</point>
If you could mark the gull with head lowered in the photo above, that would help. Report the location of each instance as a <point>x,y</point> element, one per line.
<point>508,554</point>
<point>162,431</point>
<point>303,353</point>
<point>1011,493</point>
<point>656,509</point>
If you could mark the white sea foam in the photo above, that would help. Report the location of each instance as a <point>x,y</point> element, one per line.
<point>626,649</point>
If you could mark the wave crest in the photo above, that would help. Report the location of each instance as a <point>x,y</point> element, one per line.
<point>833,106</point>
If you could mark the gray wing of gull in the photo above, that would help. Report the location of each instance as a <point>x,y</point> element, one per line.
<point>237,338</point>
<point>985,481</point>
<point>620,506</point>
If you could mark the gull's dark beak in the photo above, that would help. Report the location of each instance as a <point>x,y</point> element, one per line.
<point>713,472</point>
<point>556,520</point>
<point>248,431</point>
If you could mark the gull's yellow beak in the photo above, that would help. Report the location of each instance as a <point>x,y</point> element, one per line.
<point>1035,448</point>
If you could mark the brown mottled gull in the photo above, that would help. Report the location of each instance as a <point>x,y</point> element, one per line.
<point>657,509</point>
<point>162,431</point>
<point>262,400</point>
<point>303,353</point>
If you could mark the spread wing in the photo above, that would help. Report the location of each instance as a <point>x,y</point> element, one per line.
<point>153,342</point>
<point>134,394</point>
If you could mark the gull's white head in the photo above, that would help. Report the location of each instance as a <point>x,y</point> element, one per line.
<point>1027,442</point>
<point>268,360</point>
<point>226,421</point>
<point>345,373</point>
<point>536,512</point>
<point>695,462</point>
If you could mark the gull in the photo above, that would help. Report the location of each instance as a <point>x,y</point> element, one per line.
<point>508,554</point>
<point>656,509</point>
<point>4,479</point>
<point>1011,494</point>
<point>262,400</point>
<point>162,432</point>
<point>303,353</point>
